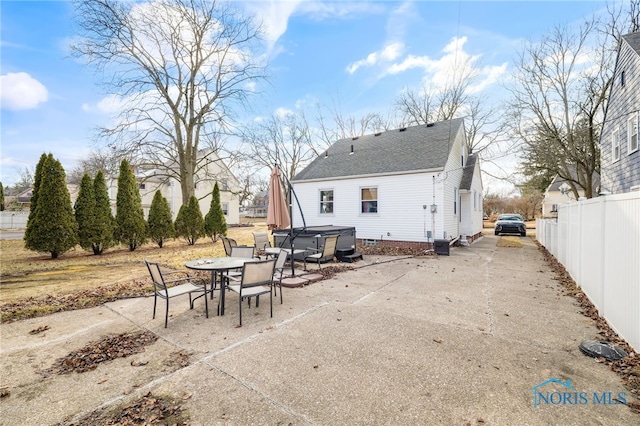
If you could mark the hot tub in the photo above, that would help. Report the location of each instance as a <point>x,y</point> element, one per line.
<point>313,237</point>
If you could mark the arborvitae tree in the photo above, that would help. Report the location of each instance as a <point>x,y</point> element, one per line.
<point>1,197</point>
<point>85,208</point>
<point>53,228</point>
<point>160,221</point>
<point>37,178</point>
<point>131,226</point>
<point>105,222</point>
<point>189,223</point>
<point>215,224</point>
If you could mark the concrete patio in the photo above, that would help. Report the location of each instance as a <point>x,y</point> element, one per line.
<point>453,340</point>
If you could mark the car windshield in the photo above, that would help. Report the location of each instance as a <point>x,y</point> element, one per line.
<point>509,217</point>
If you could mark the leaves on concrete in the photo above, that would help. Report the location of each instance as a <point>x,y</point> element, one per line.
<point>147,410</point>
<point>107,349</point>
<point>627,368</point>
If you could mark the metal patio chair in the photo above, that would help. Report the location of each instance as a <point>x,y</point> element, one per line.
<point>164,291</point>
<point>325,254</point>
<point>256,280</point>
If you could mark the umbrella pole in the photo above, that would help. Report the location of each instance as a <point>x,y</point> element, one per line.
<point>293,274</point>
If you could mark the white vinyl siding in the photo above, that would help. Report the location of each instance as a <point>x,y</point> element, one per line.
<point>400,213</point>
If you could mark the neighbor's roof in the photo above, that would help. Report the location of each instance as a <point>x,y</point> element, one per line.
<point>558,181</point>
<point>633,40</point>
<point>424,147</point>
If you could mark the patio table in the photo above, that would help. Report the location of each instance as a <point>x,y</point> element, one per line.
<point>273,251</point>
<point>217,266</point>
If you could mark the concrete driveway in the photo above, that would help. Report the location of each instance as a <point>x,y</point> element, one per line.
<point>453,340</point>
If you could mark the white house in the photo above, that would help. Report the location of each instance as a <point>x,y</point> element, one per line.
<point>149,181</point>
<point>402,187</point>
<point>559,192</point>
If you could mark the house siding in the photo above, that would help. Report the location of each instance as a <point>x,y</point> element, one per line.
<point>620,176</point>
<point>400,217</point>
<point>451,178</point>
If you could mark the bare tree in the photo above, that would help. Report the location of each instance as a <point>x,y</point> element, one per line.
<point>333,125</point>
<point>107,160</point>
<point>175,70</point>
<point>454,100</point>
<point>558,101</point>
<point>622,18</point>
<point>284,140</point>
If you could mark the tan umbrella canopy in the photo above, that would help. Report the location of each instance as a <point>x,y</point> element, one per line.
<point>277,210</point>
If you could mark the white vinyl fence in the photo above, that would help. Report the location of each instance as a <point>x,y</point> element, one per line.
<point>13,219</point>
<point>598,242</point>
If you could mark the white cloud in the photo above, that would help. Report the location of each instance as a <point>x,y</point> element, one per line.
<point>19,91</point>
<point>283,112</point>
<point>274,16</point>
<point>321,10</point>
<point>387,54</point>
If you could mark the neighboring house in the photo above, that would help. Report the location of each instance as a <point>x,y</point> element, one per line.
<point>619,154</point>
<point>401,187</point>
<point>259,206</point>
<point>24,198</point>
<point>559,192</point>
<point>149,181</point>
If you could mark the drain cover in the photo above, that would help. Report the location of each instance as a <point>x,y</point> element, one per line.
<point>606,350</point>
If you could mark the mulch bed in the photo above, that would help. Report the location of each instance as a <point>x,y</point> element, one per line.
<point>627,368</point>
<point>35,307</point>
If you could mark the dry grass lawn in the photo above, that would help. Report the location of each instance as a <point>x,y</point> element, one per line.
<point>25,274</point>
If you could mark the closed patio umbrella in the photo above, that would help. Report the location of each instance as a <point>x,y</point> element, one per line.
<point>277,210</point>
<point>278,216</point>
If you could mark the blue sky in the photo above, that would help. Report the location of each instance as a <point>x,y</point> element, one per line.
<point>357,55</point>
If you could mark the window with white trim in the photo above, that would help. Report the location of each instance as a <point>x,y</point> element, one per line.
<point>326,201</point>
<point>615,150</point>
<point>632,134</point>
<point>225,208</point>
<point>369,200</point>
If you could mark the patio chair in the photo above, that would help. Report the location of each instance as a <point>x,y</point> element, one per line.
<point>228,243</point>
<point>261,241</point>
<point>279,273</point>
<point>256,280</point>
<point>325,254</point>
<point>238,251</point>
<point>163,291</point>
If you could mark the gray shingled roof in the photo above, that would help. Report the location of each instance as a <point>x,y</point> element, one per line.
<point>467,172</point>
<point>423,147</point>
<point>634,41</point>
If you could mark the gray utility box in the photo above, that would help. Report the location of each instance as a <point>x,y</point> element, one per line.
<point>441,247</point>
<point>313,237</point>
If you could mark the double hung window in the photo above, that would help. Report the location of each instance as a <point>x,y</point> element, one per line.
<point>326,201</point>
<point>369,200</point>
